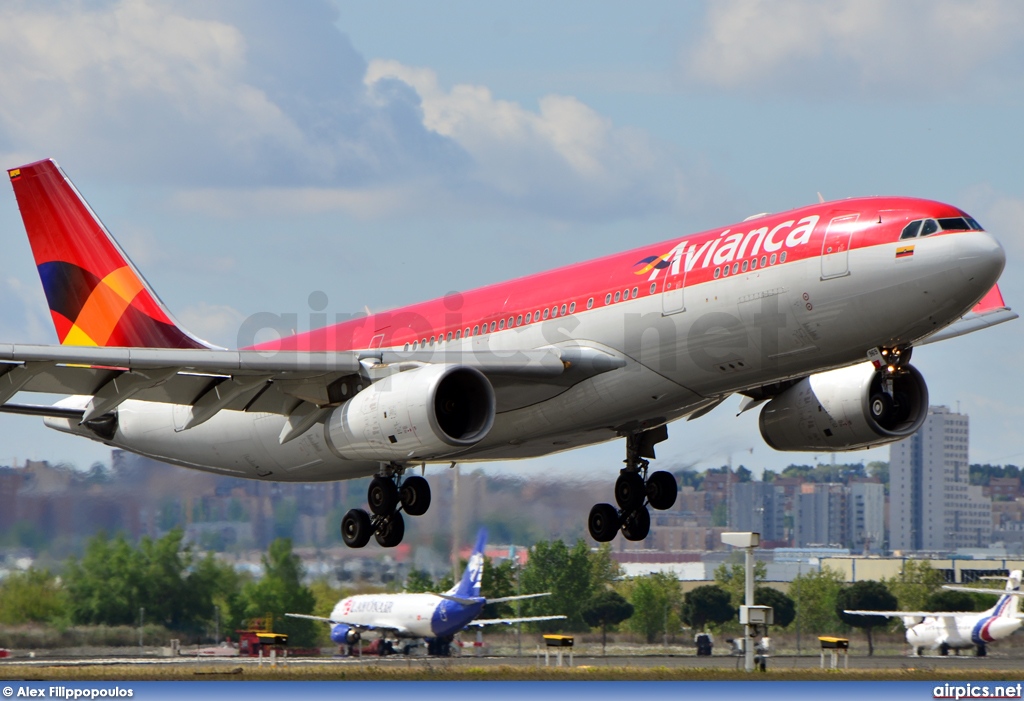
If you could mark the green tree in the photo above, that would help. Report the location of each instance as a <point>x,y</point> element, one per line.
<point>866,595</point>
<point>655,598</point>
<point>419,582</point>
<point>564,572</point>
<point>732,577</point>
<point>114,580</point>
<point>815,594</point>
<point>281,591</point>
<point>783,607</point>
<point>606,609</point>
<point>707,604</point>
<point>604,570</point>
<point>325,598</point>
<point>497,581</point>
<point>915,584</point>
<point>945,600</point>
<point>33,596</point>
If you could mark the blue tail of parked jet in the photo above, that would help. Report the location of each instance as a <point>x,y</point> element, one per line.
<point>469,586</point>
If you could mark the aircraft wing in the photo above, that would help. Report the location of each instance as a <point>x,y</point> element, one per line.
<point>398,630</point>
<point>991,310</point>
<point>976,590</point>
<point>292,383</point>
<point>510,621</point>
<point>914,614</point>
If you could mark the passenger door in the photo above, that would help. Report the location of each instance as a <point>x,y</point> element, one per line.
<point>835,248</point>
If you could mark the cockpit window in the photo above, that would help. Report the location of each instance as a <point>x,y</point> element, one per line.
<point>911,229</point>
<point>930,227</point>
<point>975,226</point>
<point>954,224</point>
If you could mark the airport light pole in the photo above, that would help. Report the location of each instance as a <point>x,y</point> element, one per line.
<point>747,541</point>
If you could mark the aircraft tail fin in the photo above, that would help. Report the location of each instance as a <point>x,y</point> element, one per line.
<point>96,295</point>
<point>469,586</point>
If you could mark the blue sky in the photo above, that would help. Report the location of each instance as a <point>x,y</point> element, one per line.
<point>247,154</point>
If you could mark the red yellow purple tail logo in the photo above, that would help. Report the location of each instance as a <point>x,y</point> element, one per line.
<point>95,294</point>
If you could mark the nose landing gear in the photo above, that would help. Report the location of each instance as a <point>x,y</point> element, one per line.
<point>387,496</point>
<point>635,490</point>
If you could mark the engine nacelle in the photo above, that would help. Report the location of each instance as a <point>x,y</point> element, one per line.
<point>344,635</point>
<point>845,409</point>
<point>428,412</point>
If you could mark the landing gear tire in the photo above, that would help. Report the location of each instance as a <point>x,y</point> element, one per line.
<point>636,525</point>
<point>390,532</point>
<point>981,650</point>
<point>881,407</point>
<point>661,490</point>
<point>919,651</point>
<point>943,649</point>
<point>603,522</point>
<point>414,495</point>
<point>356,528</point>
<point>630,490</point>
<point>382,495</point>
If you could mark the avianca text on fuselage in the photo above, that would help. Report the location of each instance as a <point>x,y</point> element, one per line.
<point>728,247</point>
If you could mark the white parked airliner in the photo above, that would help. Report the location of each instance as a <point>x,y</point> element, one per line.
<point>812,312</point>
<point>961,630</point>
<point>434,617</point>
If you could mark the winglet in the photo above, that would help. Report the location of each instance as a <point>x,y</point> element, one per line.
<point>96,296</point>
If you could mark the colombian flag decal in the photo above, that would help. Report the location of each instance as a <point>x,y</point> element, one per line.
<point>904,251</point>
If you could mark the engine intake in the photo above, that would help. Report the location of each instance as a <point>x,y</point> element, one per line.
<point>845,409</point>
<point>427,412</point>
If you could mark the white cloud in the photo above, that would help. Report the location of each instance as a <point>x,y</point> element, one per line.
<point>933,48</point>
<point>562,156</point>
<point>273,99</point>
<point>216,323</point>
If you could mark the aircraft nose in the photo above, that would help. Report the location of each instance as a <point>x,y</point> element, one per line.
<point>981,258</point>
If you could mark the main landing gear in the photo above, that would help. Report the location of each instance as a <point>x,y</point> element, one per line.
<point>635,490</point>
<point>889,405</point>
<point>387,497</point>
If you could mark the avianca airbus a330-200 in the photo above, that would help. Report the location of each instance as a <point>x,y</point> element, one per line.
<point>812,313</point>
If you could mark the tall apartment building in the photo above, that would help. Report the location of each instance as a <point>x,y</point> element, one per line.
<point>865,512</point>
<point>932,505</point>
<point>757,507</point>
<point>820,516</point>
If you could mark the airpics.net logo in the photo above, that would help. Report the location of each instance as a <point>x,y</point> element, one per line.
<point>977,691</point>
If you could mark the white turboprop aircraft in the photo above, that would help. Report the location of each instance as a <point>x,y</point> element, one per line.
<point>960,630</point>
<point>434,617</point>
<point>812,312</point>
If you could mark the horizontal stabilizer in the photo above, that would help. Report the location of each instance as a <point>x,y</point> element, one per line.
<point>465,601</point>
<point>976,590</point>
<point>913,614</point>
<point>517,598</point>
<point>510,621</point>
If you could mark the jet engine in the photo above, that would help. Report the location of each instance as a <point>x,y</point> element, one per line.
<point>344,635</point>
<point>846,409</point>
<point>427,412</point>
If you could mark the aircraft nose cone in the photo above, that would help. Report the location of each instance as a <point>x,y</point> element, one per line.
<point>981,259</point>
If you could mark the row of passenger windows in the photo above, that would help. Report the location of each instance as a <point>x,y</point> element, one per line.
<point>751,264</point>
<point>925,227</point>
<point>530,317</point>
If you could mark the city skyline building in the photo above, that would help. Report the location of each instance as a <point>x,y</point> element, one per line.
<point>932,505</point>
